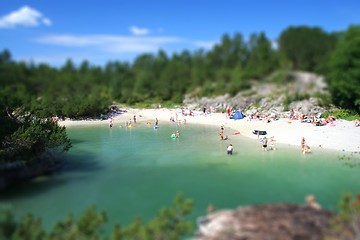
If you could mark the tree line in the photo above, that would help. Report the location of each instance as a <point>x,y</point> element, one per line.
<point>170,223</point>
<point>230,66</point>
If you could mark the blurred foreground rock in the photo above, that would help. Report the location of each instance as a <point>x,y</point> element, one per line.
<point>269,222</point>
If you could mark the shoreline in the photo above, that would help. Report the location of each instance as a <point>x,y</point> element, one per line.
<point>342,136</point>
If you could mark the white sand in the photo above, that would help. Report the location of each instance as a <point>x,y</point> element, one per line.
<point>342,137</point>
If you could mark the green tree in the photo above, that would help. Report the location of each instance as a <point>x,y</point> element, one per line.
<point>262,59</point>
<point>307,48</point>
<point>7,222</point>
<point>199,69</point>
<point>347,221</point>
<point>88,226</point>
<point>34,139</point>
<point>169,224</point>
<point>344,74</point>
<point>29,227</point>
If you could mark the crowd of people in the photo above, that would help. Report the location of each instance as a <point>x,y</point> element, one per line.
<point>316,119</point>
<point>267,143</point>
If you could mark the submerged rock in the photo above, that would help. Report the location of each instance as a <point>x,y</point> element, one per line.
<point>267,222</point>
<point>17,172</point>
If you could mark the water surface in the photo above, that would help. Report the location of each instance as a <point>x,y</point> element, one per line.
<point>134,172</point>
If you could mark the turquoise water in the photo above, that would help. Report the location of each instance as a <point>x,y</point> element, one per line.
<point>134,172</point>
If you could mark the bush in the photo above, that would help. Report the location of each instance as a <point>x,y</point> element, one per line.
<point>342,114</point>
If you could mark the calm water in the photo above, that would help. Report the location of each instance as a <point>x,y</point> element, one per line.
<point>134,172</point>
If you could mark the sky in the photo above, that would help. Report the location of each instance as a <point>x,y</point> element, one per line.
<point>53,31</point>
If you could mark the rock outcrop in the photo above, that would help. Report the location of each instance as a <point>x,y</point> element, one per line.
<point>268,222</point>
<point>299,93</point>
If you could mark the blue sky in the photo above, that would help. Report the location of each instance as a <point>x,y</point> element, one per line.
<point>53,31</point>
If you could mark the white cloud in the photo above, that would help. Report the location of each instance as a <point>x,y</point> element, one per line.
<point>25,16</point>
<point>46,21</point>
<point>116,43</point>
<point>110,43</point>
<point>139,31</point>
<point>204,44</point>
<point>102,48</point>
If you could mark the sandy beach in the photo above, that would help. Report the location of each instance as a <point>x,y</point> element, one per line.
<point>342,136</point>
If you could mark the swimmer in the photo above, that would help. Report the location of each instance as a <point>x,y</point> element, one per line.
<point>311,202</point>
<point>210,208</point>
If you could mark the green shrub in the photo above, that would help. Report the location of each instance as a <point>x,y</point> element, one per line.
<point>324,99</point>
<point>342,114</point>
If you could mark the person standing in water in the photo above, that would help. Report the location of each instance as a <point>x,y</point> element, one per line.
<point>264,144</point>
<point>272,143</point>
<point>221,133</point>
<point>303,144</point>
<point>230,149</point>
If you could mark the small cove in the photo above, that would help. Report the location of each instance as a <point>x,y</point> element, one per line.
<point>135,172</point>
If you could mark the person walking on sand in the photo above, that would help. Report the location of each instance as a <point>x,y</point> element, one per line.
<point>230,149</point>
<point>228,111</point>
<point>264,144</point>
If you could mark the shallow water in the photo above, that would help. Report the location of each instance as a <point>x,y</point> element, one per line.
<point>134,172</point>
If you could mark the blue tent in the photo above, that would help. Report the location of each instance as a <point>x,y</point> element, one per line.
<point>237,115</point>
